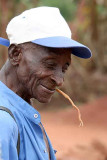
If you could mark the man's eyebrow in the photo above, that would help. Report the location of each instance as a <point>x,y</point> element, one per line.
<point>48,58</point>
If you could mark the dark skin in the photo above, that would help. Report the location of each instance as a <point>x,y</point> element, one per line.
<point>33,71</point>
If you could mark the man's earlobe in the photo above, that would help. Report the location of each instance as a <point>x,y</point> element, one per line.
<point>14,54</point>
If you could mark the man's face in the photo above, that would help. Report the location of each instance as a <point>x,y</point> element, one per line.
<point>41,70</point>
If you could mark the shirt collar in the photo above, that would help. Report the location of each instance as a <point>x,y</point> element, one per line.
<point>20,104</point>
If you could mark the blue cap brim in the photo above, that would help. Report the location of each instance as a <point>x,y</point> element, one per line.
<point>77,48</point>
<point>4,42</point>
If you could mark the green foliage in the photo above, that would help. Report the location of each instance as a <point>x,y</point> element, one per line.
<point>27,3</point>
<point>102,10</point>
<point>68,7</point>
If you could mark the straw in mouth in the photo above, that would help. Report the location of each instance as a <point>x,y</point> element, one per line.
<point>67,97</point>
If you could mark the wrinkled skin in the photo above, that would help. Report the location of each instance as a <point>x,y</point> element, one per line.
<point>33,71</point>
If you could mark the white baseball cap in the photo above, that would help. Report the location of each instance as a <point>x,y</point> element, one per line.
<point>43,26</point>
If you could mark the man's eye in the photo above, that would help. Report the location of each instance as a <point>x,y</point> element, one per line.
<point>65,69</point>
<point>51,65</point>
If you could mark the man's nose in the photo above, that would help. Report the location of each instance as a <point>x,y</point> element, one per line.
<point>58,79</point>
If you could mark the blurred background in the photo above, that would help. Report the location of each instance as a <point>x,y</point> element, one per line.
<point>85,81</point>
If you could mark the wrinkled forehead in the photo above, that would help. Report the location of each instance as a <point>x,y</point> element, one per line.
<point>32,46</point>
<point>42,51</point>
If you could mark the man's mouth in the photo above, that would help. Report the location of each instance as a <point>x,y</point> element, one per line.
<point>47,89</point>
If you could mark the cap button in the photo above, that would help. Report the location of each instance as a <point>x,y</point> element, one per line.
<point>35,115</point>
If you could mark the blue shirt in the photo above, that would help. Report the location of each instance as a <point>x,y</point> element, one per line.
<point>32,144</point>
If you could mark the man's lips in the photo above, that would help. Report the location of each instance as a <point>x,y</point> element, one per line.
<point>50,90</point>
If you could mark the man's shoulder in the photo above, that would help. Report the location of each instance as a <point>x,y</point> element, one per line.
<point>7,123</point>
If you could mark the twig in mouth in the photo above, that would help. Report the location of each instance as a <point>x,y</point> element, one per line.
<point>67,97</point>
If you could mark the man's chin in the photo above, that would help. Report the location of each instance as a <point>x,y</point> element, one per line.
<point>43,100</point>
<point>42,96</point>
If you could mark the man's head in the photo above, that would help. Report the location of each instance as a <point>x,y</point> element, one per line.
<point>39,69</point>
<point>40,48</point>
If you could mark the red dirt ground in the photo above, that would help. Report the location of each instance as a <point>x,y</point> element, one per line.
<point>78,143</point>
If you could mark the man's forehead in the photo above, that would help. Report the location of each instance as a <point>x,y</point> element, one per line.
<point>33,46</point>
<point>47,52</point>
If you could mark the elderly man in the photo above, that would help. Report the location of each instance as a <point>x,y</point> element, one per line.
<point>39,53</point>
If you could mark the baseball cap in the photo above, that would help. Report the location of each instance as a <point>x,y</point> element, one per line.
<point>44,26</point>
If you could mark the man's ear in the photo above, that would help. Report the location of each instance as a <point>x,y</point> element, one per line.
<point>14,54</point>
